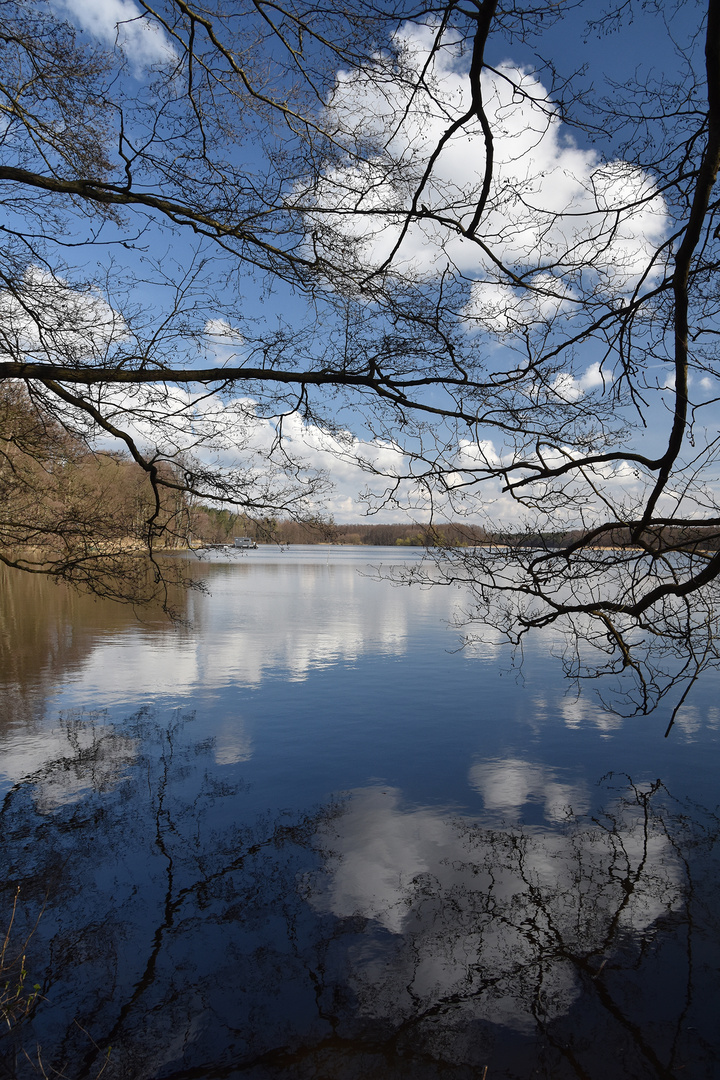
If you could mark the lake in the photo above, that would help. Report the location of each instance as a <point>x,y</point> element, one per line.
<point>305,835</point>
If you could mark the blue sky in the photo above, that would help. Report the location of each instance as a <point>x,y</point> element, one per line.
<point>641,48</point>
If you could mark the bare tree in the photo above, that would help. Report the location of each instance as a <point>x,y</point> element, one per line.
<point>499,273</point>
<point>614,461</point>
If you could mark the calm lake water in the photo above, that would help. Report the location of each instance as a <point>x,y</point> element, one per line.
<point>303,836</point>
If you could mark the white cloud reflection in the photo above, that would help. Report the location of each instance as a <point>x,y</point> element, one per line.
<point>486,916</point>
<point>287,612</point>
<point>508,786</point>
<point>83,754</point>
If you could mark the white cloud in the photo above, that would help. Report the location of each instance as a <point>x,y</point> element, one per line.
<point>594,376</point>
<point>48,320</point>
<point>569,388</point>
<point>232,434</point>
<point>552,202</point>
<point>566,387</point>
<point>221,332</point>
<point>479,452</point>
<point>502,309</point>
<point>121,23</point>
<point>51,321</point>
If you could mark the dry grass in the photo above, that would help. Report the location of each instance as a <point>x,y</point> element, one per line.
<point>17,1000</point>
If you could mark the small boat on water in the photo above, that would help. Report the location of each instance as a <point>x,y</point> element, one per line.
<point>244,542</point>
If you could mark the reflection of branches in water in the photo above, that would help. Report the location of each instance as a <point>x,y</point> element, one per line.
<point>562,934</point>
<point>200,939</point>
<point>146,867</point>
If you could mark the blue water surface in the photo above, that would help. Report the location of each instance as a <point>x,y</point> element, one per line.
<point>306,834</point>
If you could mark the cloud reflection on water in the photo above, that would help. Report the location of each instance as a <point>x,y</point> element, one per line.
<point>498,922</point>
<point>263,618</point>
<point>509,785</point>
<point>362,936</point>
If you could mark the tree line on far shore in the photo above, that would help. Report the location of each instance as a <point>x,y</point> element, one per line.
<point>211,526</point>
<point>81,507</point>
